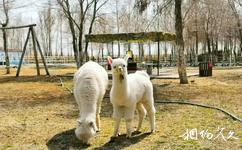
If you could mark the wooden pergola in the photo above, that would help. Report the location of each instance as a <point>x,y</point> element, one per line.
<point>140,37</point>
<point>131,37</point>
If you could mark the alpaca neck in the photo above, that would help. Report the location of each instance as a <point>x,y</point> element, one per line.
<point>120,85</point>
<point>89,109</point>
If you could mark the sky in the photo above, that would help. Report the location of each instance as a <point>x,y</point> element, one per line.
<point>28,10</point>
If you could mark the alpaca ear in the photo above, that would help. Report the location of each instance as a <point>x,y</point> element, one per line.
<point>110,60</point>
<point>126,58</point>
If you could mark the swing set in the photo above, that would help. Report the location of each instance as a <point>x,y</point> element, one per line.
<point>36,46</point>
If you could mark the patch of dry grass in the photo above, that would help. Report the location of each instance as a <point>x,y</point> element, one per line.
<point>38,113</point>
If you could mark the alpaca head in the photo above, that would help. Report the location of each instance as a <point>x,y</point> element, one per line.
<point>85,130</point>
<point>119,67</point>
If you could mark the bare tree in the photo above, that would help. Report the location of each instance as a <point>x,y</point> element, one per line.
<point>50,24</point>
<point>236,15</point>
<point>4,23</point>
<point>77,24</point>
<point>93,18</point>
<point>44,32</point>
<point>65,5</point>
<point>60,27</point>
<point>180,43</point>
<point>179,38</point>
<point>117,23</point>
<point>47,21</point>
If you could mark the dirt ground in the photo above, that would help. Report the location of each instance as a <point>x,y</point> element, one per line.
<point>39,113</point>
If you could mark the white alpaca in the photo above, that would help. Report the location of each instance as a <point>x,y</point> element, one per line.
<point>130,92</point>
<point>90,84</point>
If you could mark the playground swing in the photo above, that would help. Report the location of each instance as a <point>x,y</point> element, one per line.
<point>35,43</point>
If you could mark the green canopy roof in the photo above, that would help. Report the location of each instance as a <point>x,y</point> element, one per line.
<point>131,37</point>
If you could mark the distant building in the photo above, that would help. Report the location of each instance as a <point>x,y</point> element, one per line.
<point>14,56</point>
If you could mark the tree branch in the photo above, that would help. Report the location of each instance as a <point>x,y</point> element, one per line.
<point>66,10</point>
<point>5,9</point>
<point>186,13</point>
<point>164,6</point>
<point>101,5</point>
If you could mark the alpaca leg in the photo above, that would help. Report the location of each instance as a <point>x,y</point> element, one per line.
<point>98,122</point>
<point>129,128</point>
<point>129,116</point>
<point>117,115</point>
<point>151,114</point>
<point>116,127</point>
<point>142,113</point>
<point>98,115</point>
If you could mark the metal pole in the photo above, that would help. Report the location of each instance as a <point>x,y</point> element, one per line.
<point>158,62</point>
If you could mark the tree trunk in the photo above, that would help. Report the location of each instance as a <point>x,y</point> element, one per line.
<point>91,26</point>
<point>180,43</point>
<point>74,44</point>
<point>4,24</point>
<point>209,48</point>
<point>230,51</point>
<point>196,52</point>
<point>165,57</point>
<point>49,28</point>
<point>61,36</point>
<point>117,22</point>
<point>81,28</point>
<point>141,52</point>
<point>234,51</point>
<point>80,47</point>
<point>6,51</point>
<point>216,45</point>
<point>66,9</point>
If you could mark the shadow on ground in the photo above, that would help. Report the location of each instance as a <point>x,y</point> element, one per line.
<point>65,140</point>
<point>41,78</point>
<point>122,142</point>
<point>68,140</point>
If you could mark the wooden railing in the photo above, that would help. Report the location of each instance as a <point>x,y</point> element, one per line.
<point>52,59</point>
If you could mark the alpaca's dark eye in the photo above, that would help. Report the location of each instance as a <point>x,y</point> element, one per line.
<point>114,67</point>
<point>124,66</point>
